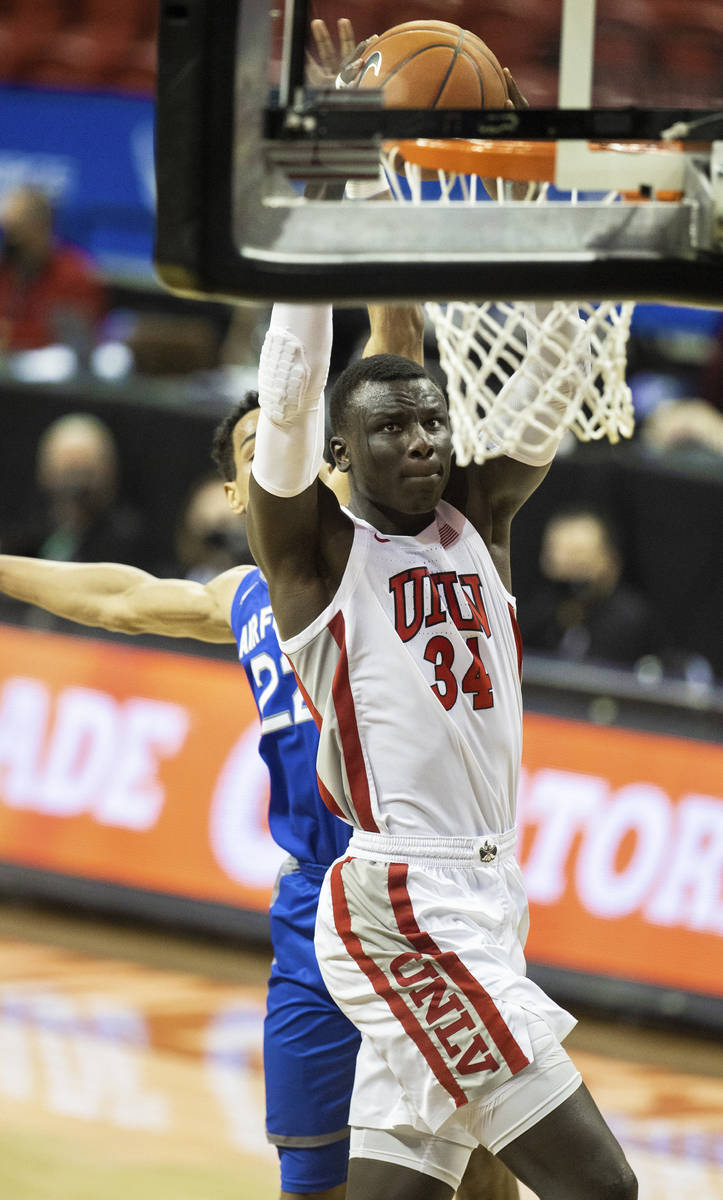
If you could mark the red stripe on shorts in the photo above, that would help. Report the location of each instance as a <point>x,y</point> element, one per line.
<point>349,731</point>
<point>454,968</point>
<point>385,989</point>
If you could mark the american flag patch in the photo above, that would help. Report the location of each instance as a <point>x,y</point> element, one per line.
<point>447,535</point>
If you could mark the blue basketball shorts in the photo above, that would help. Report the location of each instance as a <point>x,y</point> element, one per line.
<point>310,1047</point>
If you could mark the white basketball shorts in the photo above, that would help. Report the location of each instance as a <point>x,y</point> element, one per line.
<point>420,943</point>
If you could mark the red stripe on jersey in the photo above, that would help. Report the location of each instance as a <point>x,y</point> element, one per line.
<point>384,988</point>
<point>518,638</point>
<point>315,715</point>
<point>324,792</point>
<point>349,731</point>
<point>329,800</point>
<point>454,968</point>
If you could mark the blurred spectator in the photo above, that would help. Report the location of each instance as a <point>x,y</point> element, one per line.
<point>210,538</point>
<point>49,291</point>
<point>79,516</point>
<point>684,424</point>
<point>583,611</point>
<point>692,423</point>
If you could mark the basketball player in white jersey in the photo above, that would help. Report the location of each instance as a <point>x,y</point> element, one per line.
<point>398,618</point>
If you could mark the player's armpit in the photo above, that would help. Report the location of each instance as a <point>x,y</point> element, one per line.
<point>302,545</point>
<point>493,492</point>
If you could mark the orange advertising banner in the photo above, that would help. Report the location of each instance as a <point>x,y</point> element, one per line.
<point>621,845</point>
<point>140,768</point>
<point>133,766</point>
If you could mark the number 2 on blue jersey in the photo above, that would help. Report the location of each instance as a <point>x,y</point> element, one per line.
<point>266,677</point>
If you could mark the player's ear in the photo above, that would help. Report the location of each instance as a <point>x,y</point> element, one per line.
<point>235,503</point>
<point>340,451</point>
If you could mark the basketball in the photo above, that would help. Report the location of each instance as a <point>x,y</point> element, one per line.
<point>433,64</point>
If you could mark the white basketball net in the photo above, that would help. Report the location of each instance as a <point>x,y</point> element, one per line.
<point>482,345</point>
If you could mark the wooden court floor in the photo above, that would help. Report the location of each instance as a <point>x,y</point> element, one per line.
<point>130,1066</point>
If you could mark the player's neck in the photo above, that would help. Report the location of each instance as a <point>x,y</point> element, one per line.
<point>389,520</point>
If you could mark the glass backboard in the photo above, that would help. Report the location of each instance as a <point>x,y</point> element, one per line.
<point>254,147</point>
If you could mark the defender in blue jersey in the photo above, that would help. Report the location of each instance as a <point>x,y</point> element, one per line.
<point>309,1046</point>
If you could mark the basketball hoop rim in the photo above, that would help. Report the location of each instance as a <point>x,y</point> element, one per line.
<point>519,161</point>
<point>530,162</point>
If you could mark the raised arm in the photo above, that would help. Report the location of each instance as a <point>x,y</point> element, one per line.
<point>124,599</point>
<point>297,532</point>
<point>396,329</point>
<point>531,420</point>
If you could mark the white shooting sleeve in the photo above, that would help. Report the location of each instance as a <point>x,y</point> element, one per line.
<point>538,411</point>
<point>293,369</point>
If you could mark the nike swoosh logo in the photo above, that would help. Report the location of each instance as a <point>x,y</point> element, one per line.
<point>376,535</point>
<point>373,63</point>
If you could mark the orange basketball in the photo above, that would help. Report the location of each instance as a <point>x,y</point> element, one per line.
<point>433,64</point>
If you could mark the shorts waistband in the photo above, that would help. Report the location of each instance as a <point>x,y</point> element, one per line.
<point>461,852</point>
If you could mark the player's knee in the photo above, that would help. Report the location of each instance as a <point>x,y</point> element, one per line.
<point>628,1184</point>
<point>619,1183</point>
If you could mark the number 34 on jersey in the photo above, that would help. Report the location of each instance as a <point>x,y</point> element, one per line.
<point>424,598</point>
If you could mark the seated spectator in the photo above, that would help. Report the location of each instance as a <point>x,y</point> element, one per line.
<point>583,610</point>
<point>210,539</point>
<point>49,291</point>
<point>685,424</point>
<point>79,515</point>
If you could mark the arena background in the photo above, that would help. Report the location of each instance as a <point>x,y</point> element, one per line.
<point>129,779</point>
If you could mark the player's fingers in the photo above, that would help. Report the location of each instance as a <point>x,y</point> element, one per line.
<point>350,65</point>
<point>347,38</point>
<point>518,100</point>
<point>324,45</point>
<point>357,52</point>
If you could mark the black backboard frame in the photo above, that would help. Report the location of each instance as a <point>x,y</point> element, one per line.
<point>195,249</point>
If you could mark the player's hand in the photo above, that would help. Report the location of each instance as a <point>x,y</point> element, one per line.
<point>516,99</point>
<point>332,62</point>
<point>519,189</point>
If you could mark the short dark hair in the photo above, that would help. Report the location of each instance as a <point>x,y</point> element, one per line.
<point>377,368</point>
<point>222,445</point>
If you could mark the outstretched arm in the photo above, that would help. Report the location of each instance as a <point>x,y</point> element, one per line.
<point>124,599</point>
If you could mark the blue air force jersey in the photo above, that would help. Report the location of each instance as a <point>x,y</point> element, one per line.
<point>298,819</point>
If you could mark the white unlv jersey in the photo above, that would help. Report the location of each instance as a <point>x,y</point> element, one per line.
<point>412,674</point>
